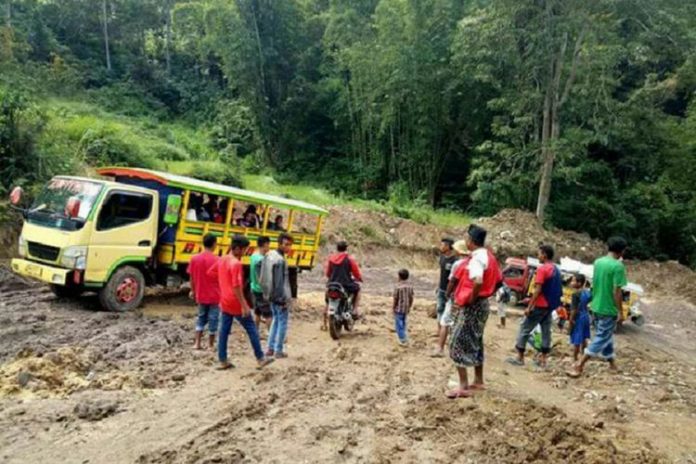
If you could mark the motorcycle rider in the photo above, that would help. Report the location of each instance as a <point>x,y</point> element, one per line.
<point>342,268</point>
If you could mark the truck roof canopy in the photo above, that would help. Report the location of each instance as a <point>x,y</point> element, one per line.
<point>189,183</point>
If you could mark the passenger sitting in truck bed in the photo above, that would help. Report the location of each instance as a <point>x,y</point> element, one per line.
<point>277,224</point>
<point>249,218</point>
<point>194,208</point>
<point>211,207</point>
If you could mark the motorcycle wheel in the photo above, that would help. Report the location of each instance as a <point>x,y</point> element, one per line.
<point>348,325</point>
<point>334,327</point>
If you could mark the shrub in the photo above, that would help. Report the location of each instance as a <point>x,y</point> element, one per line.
<point>101,146</point>
<point>220,173</point>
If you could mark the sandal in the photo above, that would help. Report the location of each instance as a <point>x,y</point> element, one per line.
<point>225,366</point>
<point>573,374</point>
<point>477,387</point>
<point>514,362</point>
<point>458,393</point>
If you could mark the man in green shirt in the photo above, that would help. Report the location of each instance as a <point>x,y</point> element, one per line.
<point>608,279</point>
<point>262,309</point>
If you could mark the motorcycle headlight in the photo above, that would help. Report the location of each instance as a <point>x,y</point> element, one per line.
<point>74,257</point>
<point>22,245</point>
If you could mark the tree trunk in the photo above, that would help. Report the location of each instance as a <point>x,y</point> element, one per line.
<point>547,156</point>
<point>168,37</point>
<point>106,36</point>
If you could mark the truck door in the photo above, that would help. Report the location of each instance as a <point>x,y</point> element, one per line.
<point>125,231</point>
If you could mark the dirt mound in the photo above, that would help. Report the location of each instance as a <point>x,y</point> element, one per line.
<point>61,373</point>
<point>669,278</point>
<point>514,232</point>
<point>494,433</point>
<point>380,239</point>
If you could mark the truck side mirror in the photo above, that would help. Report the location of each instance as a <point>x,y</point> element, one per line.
<point>171,213</point>
<point>16,196</point>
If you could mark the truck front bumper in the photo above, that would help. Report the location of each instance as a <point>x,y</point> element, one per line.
<point>48,274</point>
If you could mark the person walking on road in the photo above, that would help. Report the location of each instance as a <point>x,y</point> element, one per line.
<point>548,289</point>
<point>205,291</point>
<point>608,279</point>
<point>230,274</point>
<point>262,309</point>
<point>474,284</point>
<point>275,281</point>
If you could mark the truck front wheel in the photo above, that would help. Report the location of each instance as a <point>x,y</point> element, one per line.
<point>124,291</point>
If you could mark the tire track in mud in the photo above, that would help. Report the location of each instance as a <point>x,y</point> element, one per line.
<point>365,399</point>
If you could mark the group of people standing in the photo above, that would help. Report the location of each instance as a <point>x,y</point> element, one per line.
<point>470,275</point>
<point>218,286</point>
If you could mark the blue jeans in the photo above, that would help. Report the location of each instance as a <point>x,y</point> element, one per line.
<point>602,345</point>
<point>542,317</point>
<point>400,323</point>
<point>441,302</point>
<point>279,328</point>
<point>226,328</point>
<point>208,314</point>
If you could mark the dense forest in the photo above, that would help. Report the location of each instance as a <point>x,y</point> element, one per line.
<point>583,111</point>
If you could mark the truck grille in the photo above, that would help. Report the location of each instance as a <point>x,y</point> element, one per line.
<point>44,252</point>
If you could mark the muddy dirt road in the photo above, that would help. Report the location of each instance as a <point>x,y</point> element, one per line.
<point>79,385</point>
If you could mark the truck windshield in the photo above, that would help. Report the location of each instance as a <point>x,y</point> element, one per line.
<point>49,208</point>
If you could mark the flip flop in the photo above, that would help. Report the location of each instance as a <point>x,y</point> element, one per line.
<point>437,354</point>
<point>265,362</point>
<point>477,387</point>
<point>458,393</point>
<point>574,374</point>
<point>226,366</point>
<point>514,362</point>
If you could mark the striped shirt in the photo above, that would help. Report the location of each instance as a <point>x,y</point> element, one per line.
<point>403,297</point>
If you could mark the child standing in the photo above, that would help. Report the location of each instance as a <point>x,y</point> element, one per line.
<point>579,320</point>
<point>502,296</point>
<point>205,291</point>
<point>403,301</point>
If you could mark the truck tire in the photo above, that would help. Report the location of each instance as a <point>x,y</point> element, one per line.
<point>124,291</point>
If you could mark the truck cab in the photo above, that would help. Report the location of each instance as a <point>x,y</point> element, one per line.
<point>136,227</point>
<point>85,234</point>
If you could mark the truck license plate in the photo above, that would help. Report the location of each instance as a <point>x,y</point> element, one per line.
<point>34,271</point>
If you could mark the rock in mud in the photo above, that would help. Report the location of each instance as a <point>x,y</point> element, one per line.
<point>23,378</point>
<point>96,410</point>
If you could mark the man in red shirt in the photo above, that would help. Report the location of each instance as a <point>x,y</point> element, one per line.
<point>205,291</point>
<point>343,269</point>
<point>230,275</point>
<point>548,289</point>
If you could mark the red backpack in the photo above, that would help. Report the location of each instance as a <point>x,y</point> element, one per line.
<point>492,278</point>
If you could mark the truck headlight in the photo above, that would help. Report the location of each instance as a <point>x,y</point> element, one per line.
<point>22,247</point>
<point>74,257</point>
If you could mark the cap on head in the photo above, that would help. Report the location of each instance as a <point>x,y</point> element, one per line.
<point>460,247</point>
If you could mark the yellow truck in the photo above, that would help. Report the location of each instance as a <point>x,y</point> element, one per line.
<point>132,228</point>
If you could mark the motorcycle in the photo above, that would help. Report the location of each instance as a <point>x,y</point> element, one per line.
<point>340,310</point>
